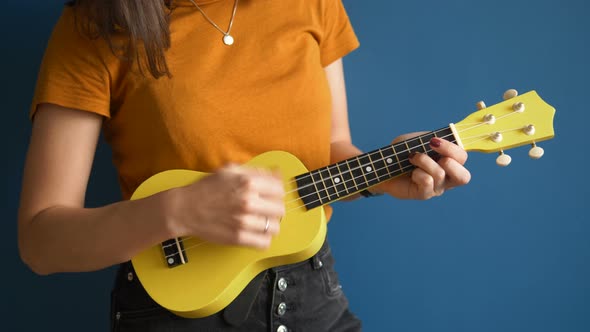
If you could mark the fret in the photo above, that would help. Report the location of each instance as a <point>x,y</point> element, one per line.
<point>347,176</point>
<point>174,253</point>
<point>328,183</point>
<point>426,140</point>
<point>307,191</point>
<point>393,165</point>
<point>378,164</point>
<point>402,153</point>
<point>384,162</point>
<point>415,145</point>
<point>357,174</point>
<point>337,179</point>
<point>368,170</point>
<point>427,137</point>
<point>320,187</point>
<point>445,133</point>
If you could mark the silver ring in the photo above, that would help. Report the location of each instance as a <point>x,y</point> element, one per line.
<point>267,225</point>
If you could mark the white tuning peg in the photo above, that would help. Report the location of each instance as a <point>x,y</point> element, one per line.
<point>503,159</point>
<point>480,105</point>
<point>536,152</point>
<point>509,94</point>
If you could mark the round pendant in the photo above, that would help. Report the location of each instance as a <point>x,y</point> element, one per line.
<point>228,40</point>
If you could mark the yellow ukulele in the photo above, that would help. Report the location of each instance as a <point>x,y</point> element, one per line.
<point>194,278</point>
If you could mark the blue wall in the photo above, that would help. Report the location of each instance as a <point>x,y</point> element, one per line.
<point>509,252</point>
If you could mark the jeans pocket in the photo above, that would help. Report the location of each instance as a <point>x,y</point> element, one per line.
<point>329,274</point>
<point>140,319</point>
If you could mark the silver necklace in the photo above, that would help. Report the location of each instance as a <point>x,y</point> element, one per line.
<point>227,38</point>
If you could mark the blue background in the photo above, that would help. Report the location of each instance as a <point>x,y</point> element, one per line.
<point>509,252</point>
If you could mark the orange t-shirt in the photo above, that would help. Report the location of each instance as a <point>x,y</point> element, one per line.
<point>268,91</point>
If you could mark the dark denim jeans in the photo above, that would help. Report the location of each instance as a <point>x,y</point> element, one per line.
<point>305,297</point>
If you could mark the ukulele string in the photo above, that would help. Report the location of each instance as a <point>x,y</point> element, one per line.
<point>352,179</point>
<point>287,211</point>
<point>360,166</point>
<point>484,136</point>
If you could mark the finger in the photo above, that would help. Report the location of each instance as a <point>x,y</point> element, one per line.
<point>227,235</point>
<point>253,203</point>
<point>448,149</point>
<point>423,185</point>
<point>248,238</point>
<point>263,182</point>
<point>428,165</point>
<point>257,223</point>
<point>405,137</point>
<point>274,225</point>
<point>456,174</point>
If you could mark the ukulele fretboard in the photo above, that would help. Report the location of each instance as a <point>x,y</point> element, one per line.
<point>328,184</point>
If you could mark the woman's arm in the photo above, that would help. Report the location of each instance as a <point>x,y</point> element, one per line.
<point>429,179</point>
<point>57,234</point>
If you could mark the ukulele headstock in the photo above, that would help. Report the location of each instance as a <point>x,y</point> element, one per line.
<point>517,121</point>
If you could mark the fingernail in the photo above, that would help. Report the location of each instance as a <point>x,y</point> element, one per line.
<point>435,142</point>
<point>411,155</point>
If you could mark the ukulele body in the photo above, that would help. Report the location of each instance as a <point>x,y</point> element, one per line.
<point>213,275</point>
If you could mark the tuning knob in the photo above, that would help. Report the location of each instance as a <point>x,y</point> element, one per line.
<point>509,94</point>
<point>536,152</point>
<point>529,130</point>
<point>503,159</point>
<point>496,137</point>
<point>518,107</point>
<point>489,119</point>
<point>480,105</point>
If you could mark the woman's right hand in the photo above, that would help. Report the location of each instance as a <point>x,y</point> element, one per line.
<point>231,206</point>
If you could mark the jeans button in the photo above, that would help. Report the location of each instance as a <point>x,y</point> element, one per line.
<point>130,276</point>
<point>281,308</point>
<point>316,263</point>
<point>282,328</point>
<point>282,284</point>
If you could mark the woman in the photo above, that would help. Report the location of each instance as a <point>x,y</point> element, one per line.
<point>171,87</point>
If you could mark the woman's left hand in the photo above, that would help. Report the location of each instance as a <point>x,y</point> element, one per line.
<point>431,177</point>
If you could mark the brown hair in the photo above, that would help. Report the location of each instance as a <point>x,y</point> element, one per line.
<point>145,24</point>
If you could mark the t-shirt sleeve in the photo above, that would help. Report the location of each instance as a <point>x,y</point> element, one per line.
<point>339,38</point>
<point>72,73</point>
